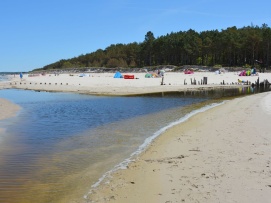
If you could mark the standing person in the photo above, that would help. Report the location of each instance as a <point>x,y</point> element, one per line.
<point>21,75</point>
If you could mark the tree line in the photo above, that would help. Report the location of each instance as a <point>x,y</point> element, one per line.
<point>232,47</point>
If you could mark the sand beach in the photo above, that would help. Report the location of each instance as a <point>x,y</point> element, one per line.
<point>106,84</point>
<point>220,155</point>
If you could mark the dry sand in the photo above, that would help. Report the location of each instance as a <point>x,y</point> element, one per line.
<point>221,155</point>
<point>105,84</point>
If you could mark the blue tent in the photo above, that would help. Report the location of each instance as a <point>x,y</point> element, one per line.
<point>118,75</point>
<point>82,75</point>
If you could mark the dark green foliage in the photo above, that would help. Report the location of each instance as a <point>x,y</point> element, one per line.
<point>231,47</point>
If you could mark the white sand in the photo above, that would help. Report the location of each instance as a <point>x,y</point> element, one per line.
<point>104,83</point>
<point>222,155</point>
<point>266,104</point>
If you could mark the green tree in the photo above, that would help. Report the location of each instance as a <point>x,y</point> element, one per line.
<point>148,46</point>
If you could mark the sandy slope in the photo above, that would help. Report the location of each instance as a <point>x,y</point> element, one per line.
<point>222,155</point>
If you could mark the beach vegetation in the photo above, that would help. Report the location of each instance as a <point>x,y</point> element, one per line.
<point>217,66</point>
<point>231,47</point>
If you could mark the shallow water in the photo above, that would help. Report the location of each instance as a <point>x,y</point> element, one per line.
<point>61,143</point>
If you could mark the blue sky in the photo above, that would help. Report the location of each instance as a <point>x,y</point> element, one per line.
<point>35,33</point>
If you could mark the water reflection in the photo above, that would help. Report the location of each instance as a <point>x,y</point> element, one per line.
<point>60,144</point>
<point>213,92</point>
<point>64,142</point>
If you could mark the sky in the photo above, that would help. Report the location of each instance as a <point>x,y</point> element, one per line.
<point>35,33</point>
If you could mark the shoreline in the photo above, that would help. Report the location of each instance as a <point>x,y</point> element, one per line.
<point>201,159</point>
<point>148,141</point>
<point>157,170</point>
<point>90,172</point>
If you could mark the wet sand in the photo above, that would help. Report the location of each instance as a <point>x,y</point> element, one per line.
<point>7,109</point>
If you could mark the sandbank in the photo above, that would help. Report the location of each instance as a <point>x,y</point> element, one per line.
<point>221,155</point>
<point>106,84</point>
<point>7,109</point>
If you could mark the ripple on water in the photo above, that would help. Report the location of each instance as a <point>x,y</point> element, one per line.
<point>60,144</point>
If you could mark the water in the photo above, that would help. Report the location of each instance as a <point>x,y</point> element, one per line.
<point>60,144</point>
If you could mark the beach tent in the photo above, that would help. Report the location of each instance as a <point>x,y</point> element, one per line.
<point>83,75</point>
<point>187,71</point>
<point>118,75</point>
<point>148,75</point>
<point>253,71</point>
<point>243,73</point>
